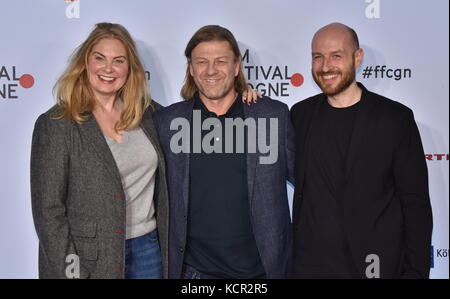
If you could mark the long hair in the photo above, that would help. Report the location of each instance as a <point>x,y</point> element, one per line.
<point>207,34</point>
<point>74,95</point>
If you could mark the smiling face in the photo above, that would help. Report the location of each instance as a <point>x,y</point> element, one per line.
<point>214,68</point>
<point>334,60</point>
<point>107,67</point>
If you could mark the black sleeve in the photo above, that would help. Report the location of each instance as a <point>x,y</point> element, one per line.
<point>411,182</point>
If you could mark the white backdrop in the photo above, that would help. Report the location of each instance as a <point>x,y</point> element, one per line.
<point>409,37</point>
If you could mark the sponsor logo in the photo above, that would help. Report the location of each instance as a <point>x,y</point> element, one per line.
<point>270,80</point>
<point>438,254</point>
<point>10,81</point>
<point>436,157</point>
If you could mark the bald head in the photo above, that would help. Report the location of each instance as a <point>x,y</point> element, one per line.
<point>338,30</point>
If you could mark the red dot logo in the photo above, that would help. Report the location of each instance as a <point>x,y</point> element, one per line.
<point>26,81</point>
<point>297,80</point>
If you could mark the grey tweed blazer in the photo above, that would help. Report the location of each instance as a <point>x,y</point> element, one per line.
<point>78,201</point>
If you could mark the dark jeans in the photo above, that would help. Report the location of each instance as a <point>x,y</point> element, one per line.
<point>143,257</point>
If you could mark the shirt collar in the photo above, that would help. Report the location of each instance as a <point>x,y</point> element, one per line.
<point>234,111</point>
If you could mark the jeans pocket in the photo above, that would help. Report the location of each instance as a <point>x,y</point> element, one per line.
<point>152,237</point>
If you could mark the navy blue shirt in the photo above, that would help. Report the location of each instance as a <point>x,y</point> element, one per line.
<point>220,236</point>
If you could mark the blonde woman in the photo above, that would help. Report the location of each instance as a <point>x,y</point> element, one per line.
<point>98,184</point>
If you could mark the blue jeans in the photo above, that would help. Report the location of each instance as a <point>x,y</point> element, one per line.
<point>143,257</point>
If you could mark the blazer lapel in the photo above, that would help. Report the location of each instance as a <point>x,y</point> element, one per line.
<point>148,126</point>
<point>182,160</point>
<point>304,146</point>
<point>252,158</point>
<point>92,133</point>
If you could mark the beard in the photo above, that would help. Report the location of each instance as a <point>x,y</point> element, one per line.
<point>347,78</point>
<point>215,93</point>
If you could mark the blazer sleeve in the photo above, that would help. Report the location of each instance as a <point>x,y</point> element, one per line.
<point>49,183</point>
<point>290,146</point>
<point>157,122</point>
<point>411,182</point>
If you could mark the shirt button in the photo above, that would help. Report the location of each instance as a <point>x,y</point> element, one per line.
<point>181,250</point>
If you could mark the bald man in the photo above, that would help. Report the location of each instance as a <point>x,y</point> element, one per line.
<point>361,203</point>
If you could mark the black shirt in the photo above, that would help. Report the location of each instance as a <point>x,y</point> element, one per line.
<point>220,235</point>
<point>325,169</point>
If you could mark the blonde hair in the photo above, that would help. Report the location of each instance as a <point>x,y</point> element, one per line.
<point>74,95</point>
<point>206,34</point>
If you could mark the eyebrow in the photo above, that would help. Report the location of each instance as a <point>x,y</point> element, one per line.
<point>221,57</point>
<point>104,55</point>
<point>334,52</point>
